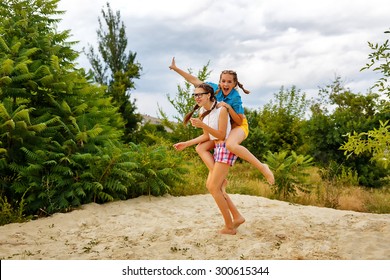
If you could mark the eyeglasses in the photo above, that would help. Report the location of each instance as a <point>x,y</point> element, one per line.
<point>196,95</point>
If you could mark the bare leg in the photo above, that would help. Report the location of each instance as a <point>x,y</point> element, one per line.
<point>214,185</point>
<point>233,142</point>
<point>238,219</point>
<point>203,150</point>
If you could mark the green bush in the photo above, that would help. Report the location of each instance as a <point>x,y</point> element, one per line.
<point>8,214</point>
<point>290,172</point>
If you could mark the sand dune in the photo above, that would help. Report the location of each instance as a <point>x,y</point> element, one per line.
<point>186,228</point>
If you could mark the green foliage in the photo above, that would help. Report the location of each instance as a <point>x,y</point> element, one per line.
<point>290,171</point>
<point>376,142</point>
<point>380,60</point>
<point>319,134</point>
<point>158,170</point>
<point>116,69</point>
<point>258,141</point>
<point>60,134</point>
<point>183,102</point>
<point>281,120</point>
<point>150,134</point>
<point>9,215</point>
<point>339,174</point>
<point>326,130</point>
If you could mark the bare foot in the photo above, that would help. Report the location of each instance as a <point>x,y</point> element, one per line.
<point>231,231</point>
<point>268,175</point>
<point>239,221</point>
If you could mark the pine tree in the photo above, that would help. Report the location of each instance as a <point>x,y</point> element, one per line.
<point>60,135</point>
<point>116,69</point>
<point>53,121</point>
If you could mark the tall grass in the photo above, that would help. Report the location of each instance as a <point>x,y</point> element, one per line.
<point>245,179</point>
<point>195,178</point>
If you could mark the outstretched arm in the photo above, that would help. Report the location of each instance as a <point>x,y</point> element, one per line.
<point>182,145</point>
<point>190,78</point>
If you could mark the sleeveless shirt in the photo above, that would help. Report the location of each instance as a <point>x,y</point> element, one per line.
<point>212,121</point>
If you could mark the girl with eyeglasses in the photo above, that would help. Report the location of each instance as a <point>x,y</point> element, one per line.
<point>215,122</point>
<point>228,97</point>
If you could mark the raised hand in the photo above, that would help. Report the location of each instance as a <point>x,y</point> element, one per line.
<point>173,64</point>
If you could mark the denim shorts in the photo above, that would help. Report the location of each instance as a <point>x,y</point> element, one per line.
<point>221,154</point>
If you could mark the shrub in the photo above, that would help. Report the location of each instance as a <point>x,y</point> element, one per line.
<point>290,172</point>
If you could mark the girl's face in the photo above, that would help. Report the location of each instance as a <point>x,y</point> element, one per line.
<point>227,83</point>
<point>201,96</point>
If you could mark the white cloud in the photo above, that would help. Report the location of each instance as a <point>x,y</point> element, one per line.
<point>269,43</point>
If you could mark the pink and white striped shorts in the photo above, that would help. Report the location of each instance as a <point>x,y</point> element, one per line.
<point>221,154</point>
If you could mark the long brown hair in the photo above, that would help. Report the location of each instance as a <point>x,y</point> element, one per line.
<point>235,79</point>
<point>208,89</point>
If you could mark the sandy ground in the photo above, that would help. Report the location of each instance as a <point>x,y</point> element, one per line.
<point>186,228</point>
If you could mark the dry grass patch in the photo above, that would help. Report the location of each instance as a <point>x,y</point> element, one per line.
<point>243,178</point>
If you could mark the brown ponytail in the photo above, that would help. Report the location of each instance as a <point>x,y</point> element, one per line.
<point>208,89</point>
<point>243,89</point>
<point>189,115</point>
<point>208,111</point>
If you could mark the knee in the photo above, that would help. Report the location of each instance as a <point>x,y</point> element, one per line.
<point>208,187</point>
<point>200,148</point>
<point>231,146</point>
<point>211,188</point>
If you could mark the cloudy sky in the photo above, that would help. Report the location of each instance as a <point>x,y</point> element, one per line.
<point>270,44</point>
